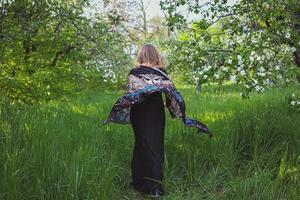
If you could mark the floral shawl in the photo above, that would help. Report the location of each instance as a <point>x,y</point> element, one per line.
<point>143,81</point>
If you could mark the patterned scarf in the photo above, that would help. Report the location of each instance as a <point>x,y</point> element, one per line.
<point>143,81</point>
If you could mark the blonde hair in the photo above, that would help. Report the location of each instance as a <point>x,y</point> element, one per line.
<point>149,55</point>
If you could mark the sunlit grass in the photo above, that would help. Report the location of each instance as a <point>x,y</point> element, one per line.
<point>58,151</point>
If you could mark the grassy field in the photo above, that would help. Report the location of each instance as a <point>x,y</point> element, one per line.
<point>58,151</point>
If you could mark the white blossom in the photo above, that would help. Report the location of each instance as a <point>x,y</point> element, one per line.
<point>261,74</point>
<point>247,86</point>
<point>261,69</point>
<point>217,75</point>
<point>109,75</point>
<point>233,78</point>
<point>243,73</point>
<point>258,58</point>
<point>240,60</point>
<point>225,69</point>
<point>254,41</point>
<point>266,82</point>
<point>229,43</point>
<point>254,81</point>
<point>259,88</point>
<point>206,68</point>
<point>293,49</point>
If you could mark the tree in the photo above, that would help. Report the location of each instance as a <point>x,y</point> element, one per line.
<point>138,25</point>
<point>47,48</point>
<point>251,42</point>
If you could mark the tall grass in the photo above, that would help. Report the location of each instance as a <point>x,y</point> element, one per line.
<point>58,151</point>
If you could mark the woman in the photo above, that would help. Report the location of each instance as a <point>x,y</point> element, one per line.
<point>142,106</point>
<point>148,122</point>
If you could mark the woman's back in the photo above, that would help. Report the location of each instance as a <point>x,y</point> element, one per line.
<point>148,122</point>
<point>150,109</point>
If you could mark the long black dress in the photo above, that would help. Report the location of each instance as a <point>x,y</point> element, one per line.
<point>148,122</point>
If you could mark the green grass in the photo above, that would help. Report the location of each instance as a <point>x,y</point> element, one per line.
<point>58,151</point>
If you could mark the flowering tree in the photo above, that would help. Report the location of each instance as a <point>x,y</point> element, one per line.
<point>52,48</point>
<point>253,43</point>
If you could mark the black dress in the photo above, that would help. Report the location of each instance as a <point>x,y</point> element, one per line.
<point>148,122</point>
